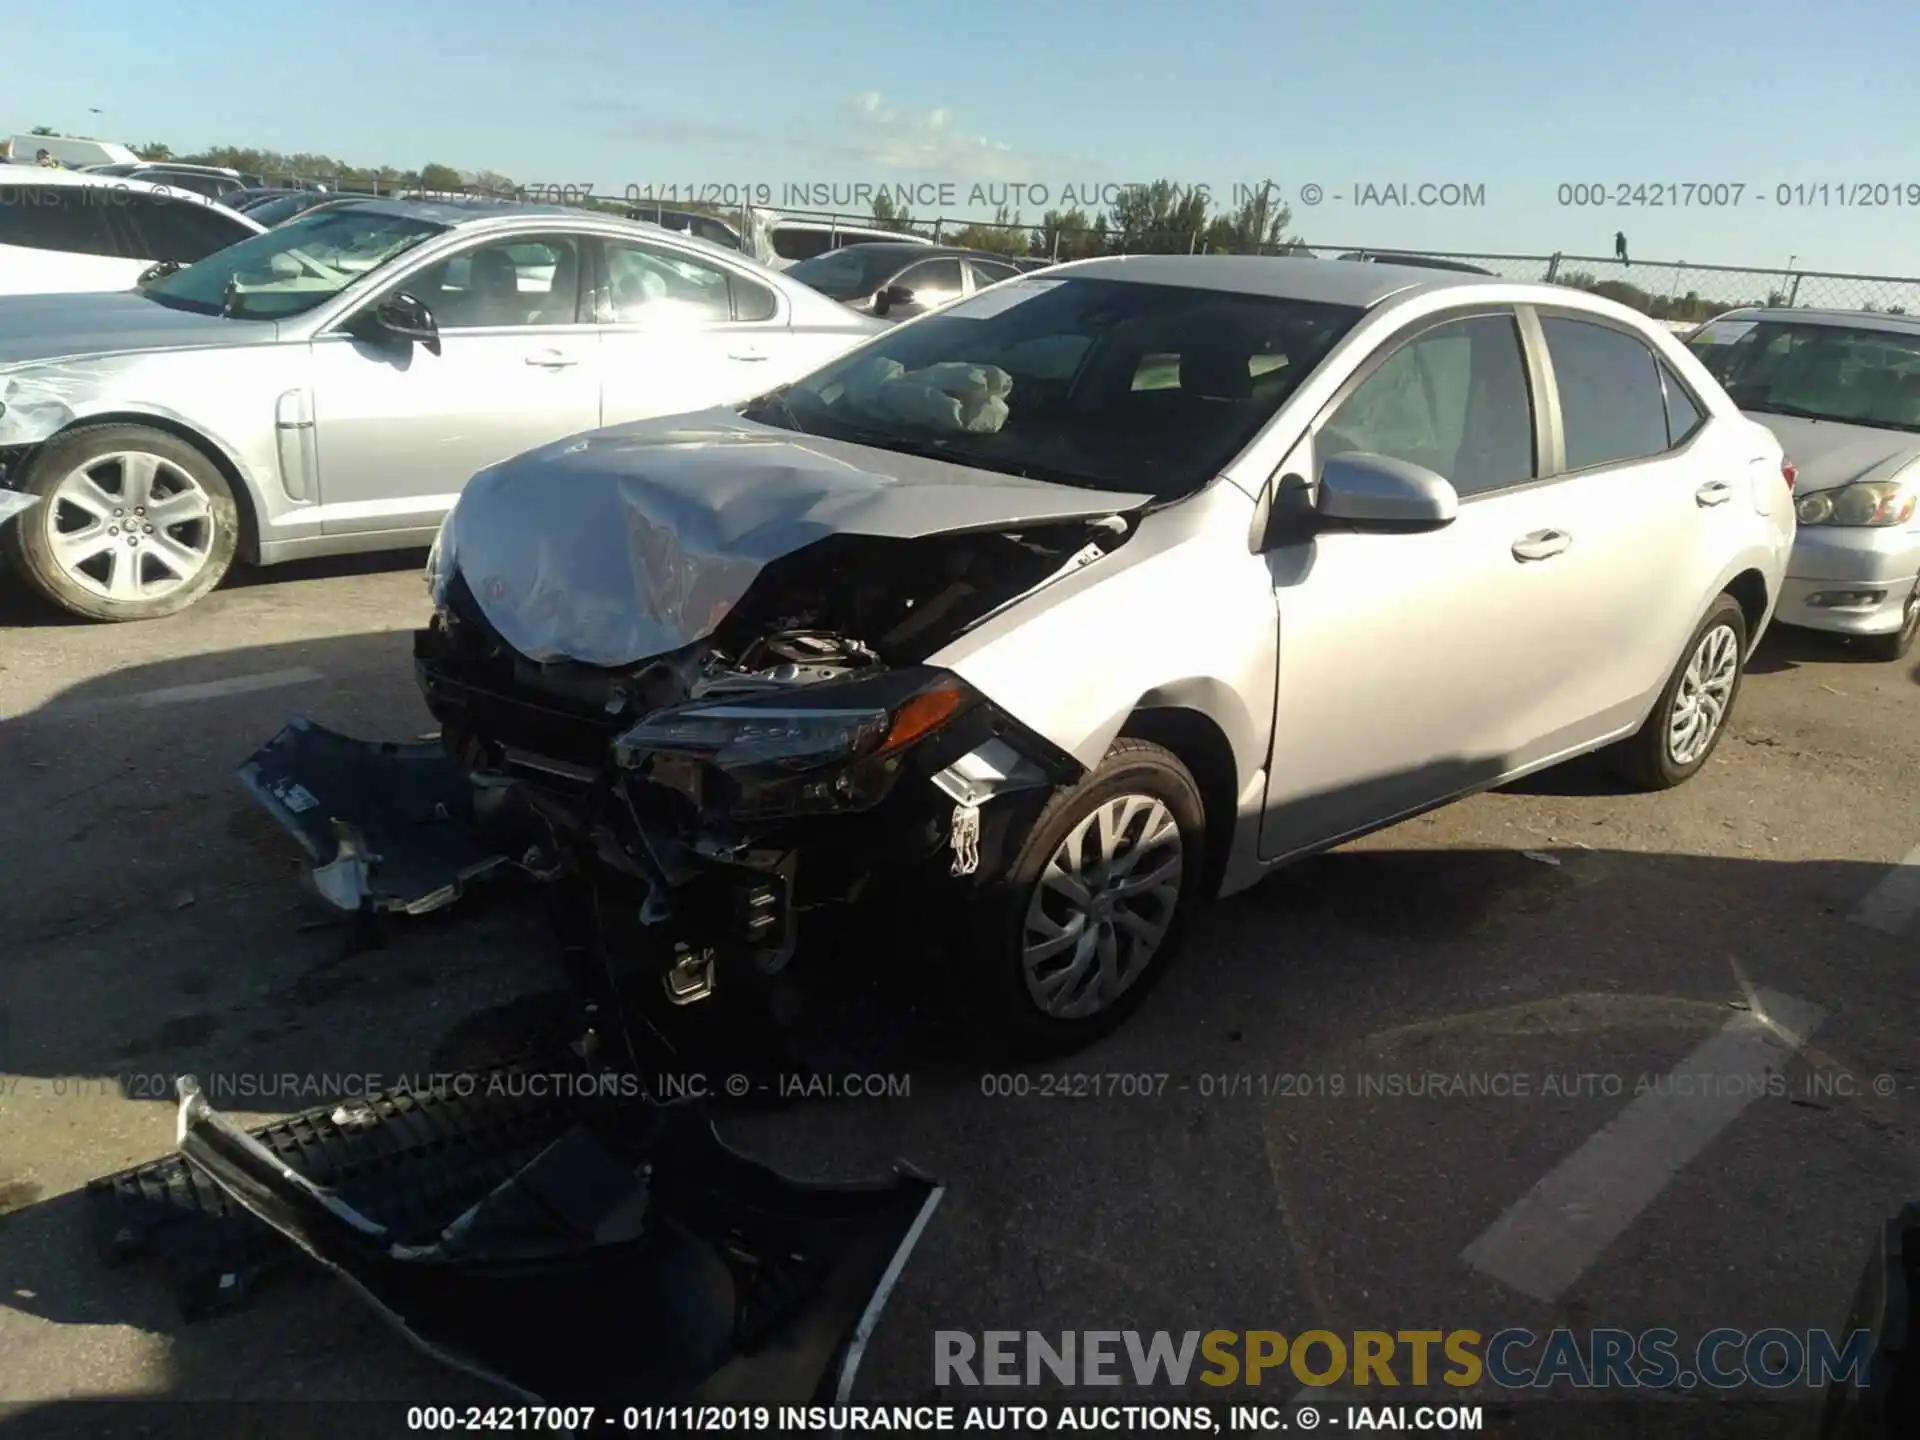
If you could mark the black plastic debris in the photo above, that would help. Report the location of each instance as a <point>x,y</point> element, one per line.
<point>634,1260</point>
<point>408,1159</point>
<point>390,827</point>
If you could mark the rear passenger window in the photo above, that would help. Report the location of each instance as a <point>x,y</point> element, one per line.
<point>70,218</point>
<point>1612,404</point>
<point>182,230</point>
<point>1683,412</point>
<point>751,299</point>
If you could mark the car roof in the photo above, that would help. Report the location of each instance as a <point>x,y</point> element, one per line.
<point>914,249</point>
<point>1285,277</point>
<point>474,213</point>
<point>1852,319</point>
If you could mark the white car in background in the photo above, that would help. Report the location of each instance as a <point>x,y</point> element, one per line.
<point>1841,389</point>
<point>68,230</point>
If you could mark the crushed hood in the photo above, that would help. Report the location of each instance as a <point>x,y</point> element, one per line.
<point>113,322</point>
<point>627,543</point>
<point>1830,453</point>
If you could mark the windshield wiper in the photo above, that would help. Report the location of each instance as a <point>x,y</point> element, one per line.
<point>1799,412</point>
<point>774,401</point>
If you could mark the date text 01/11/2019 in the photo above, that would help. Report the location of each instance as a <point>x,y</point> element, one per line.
<point>1726,194</point>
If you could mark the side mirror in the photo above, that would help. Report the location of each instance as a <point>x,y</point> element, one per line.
<point>159,270</point>
<point>401,317</point>
<point>1378,491</point>
<point>893,298</point>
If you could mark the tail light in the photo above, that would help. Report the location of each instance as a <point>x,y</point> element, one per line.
<point>1789,471</point>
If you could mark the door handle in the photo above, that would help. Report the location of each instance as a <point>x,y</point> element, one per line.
<point>551,360</point>
<point>747,352</point>
<point>1714,492</point>
<point>1541,545</point>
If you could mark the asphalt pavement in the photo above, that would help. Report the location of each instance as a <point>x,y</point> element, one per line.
<point>1425,1081</point>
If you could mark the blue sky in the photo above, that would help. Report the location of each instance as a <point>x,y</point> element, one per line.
<point>1517,98</point>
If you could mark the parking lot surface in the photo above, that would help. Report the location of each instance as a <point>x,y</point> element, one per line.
<point>1356,1095</point>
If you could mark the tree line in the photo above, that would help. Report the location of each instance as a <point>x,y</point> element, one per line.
<point>1158,218</point>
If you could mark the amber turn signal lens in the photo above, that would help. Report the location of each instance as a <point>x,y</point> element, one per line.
<point>922,715</point>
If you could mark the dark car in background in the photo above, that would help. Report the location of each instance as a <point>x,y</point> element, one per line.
<point>898,280</point>
<point>277,207</point>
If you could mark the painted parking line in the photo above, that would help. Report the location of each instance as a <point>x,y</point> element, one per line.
<point>178,694</point>
<point>1554,1233</point>
<point>1891,905</point>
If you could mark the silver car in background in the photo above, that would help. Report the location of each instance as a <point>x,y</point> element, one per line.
<point>329,385</point>
<point>1841,388</point>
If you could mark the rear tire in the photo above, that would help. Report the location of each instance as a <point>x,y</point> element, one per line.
<point>1093,906</point>
<point>133,524</point>
<point>1691,714</point>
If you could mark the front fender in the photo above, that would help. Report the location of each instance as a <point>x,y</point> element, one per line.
<point>1180,615</point>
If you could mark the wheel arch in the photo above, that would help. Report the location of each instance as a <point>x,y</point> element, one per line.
<point>1199,743</point>
<point>1749,589</point>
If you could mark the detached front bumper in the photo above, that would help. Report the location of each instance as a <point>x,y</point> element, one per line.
<point>1850,581</point>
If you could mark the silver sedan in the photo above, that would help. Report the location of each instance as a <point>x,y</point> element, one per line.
<point>1102,592</point>
<point>1842,391</point>
<point>330,385</point>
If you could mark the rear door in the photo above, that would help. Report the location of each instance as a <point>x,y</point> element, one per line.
<point>1658,504</point>
<point>679,332</point>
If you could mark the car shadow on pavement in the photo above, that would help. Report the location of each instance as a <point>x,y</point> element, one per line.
<point>1788,647</point>
<point>23,607</point>
<point>248,979</point>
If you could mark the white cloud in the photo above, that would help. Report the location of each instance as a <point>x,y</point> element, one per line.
<point>929,142</point>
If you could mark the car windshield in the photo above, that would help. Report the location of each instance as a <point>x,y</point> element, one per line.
<point>1850,374</point>
<point>293,268</point>
<point>1149,389</point>
<point>850,274</point>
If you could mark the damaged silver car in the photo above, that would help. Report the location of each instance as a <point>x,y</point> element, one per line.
<point>1039,620</point>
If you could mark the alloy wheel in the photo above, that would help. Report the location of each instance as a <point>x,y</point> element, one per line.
<point>1706,690</point>
<point>1102,906</point>
<point>130,525</point>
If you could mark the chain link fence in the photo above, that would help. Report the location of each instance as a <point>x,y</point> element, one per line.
<point>1672,290</point>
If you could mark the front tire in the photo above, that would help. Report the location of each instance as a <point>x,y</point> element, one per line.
<point>1094,904</point>
<point>1899,644</point>
<point>134,523</point>
<point>1688,720</point>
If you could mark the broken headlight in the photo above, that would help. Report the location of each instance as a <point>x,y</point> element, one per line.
<point>831,747</point>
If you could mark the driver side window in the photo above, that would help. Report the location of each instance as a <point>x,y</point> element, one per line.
<point>1453,399</point>
<point>525,280</point>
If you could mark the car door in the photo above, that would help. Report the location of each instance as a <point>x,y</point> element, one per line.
<point>56,238</point>
<point>400,430</point>
<point>1418,666</point>
<point>679,332</point>
<point>1656,494</point>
